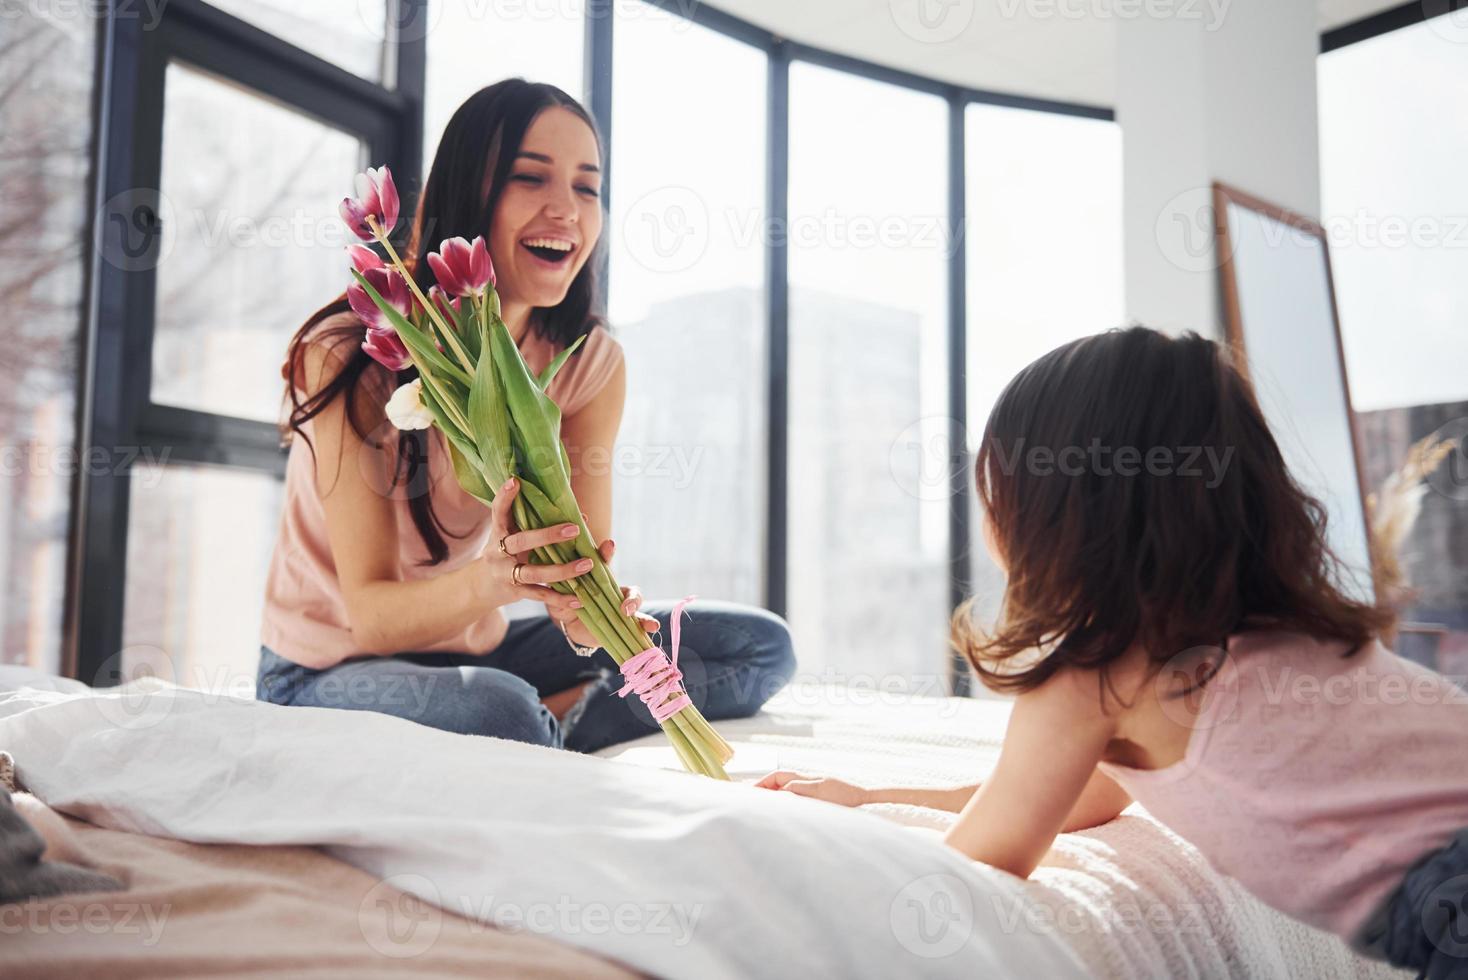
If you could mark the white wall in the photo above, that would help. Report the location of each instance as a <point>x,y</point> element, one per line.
<point>1198,100</point>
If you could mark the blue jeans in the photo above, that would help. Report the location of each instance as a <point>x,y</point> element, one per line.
<point>733,658</point>
<point>1423,924</point>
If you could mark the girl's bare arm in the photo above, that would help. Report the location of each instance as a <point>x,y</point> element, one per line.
<point>1057,734</point>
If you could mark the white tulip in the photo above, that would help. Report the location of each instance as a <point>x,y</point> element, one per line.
<point>405,408</point>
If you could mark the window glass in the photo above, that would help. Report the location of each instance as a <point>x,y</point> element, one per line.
<point>867,545</point>
<point>199,545</point>
<point>248,191</point>
<point>348,33</point>
<point>471,45</point>
<point>1043,194</point>
<point>688,305</point>
<point>1395,208</point>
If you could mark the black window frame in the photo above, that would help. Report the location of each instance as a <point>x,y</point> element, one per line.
<point>117,418</point>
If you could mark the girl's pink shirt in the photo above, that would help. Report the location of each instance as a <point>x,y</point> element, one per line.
<point>305,617</point>
<point>1316,780</point>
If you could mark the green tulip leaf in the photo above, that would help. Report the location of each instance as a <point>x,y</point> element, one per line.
<point>554,367</point>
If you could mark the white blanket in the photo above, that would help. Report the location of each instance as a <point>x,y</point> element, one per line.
<point>1130,898</point>
<point>670,874</point>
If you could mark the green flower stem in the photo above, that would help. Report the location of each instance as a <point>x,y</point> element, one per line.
<point>686,754</point>
<point>688,730</point>
<point>710,761</point>
<point>699,748</point>
<point>602,588</point>
<point>595,613</point>
<point>449,406</point>
<point>722,749</point>
<point>591,614</point>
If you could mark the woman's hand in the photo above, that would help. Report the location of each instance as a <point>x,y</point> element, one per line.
<point>631,603</point>
<point>817,787</point>
<point>535,580</point>
<point>510,548</point>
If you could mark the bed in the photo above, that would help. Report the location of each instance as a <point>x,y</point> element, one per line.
<point>268,840</point>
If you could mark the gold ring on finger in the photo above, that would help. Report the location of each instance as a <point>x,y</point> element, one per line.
<point>503,549</point>
<point>515,573</point>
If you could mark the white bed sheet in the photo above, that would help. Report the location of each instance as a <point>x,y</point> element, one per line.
<point>1130,898</point>
<point>670,874</point>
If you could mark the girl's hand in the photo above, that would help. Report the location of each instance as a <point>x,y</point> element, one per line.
<point>817,787</point>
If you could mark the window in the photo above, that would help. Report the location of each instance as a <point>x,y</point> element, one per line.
<point>1396,207</point>
<point>248,187</point>
<point>45,143</point>
<point>471,45</point>
<point>1396,214</point>
<point>1043,195</point>
<point>686,238</point>
<point>349,33</point>
<point>199,545</point>
<point>254,148</point>
<point>867,545</point>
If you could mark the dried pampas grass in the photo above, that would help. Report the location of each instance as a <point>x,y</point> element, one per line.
<point>1393,511</point>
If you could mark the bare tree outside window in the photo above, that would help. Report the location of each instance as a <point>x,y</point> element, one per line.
<point>45,148</point>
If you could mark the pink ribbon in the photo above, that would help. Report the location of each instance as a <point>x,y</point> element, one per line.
<point>654,678</point>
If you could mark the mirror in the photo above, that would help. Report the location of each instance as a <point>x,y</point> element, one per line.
<point>1280,311</point>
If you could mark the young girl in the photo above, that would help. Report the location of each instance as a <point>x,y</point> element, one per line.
<point>1174,629</point>
<point>387,583</point>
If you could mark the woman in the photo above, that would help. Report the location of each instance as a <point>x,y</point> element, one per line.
<point>388,581</point>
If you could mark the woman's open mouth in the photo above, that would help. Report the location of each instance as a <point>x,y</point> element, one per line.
<point>554,252</point>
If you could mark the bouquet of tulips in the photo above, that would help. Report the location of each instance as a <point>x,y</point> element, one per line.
<point>498,422</point>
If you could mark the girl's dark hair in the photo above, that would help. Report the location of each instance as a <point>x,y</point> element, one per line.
<point>1106,547</point>
<point>468,176</point>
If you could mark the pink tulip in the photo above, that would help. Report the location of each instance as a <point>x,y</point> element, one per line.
<point>390,286</point>
<point>386,348</point>
<point>462,269</point>
<point>449,307</point>
<point>363,259</point>
<point>377,198</point>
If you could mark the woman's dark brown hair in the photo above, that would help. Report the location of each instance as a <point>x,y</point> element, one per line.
<point>469,173</point>
<point>1106,546</point>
